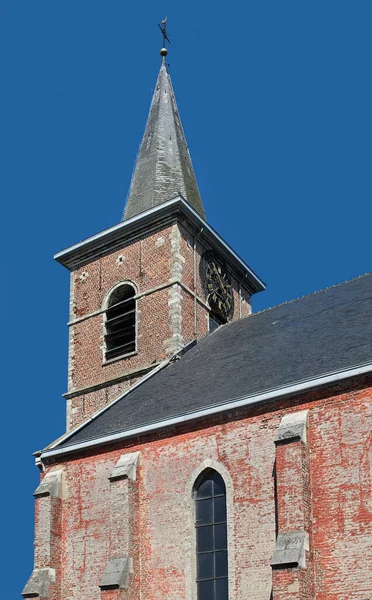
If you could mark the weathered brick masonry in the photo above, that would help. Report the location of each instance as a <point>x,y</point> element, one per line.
<point>335,509</point>
<point>165,271</point>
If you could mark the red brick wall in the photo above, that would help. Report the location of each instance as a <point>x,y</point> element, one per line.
<point>339,501</point>
<point>147,264</point>
<point>165,317</point>
<point>341,464</point>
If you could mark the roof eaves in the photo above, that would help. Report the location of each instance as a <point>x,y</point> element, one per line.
<point>149,375</point>
<point>288,390</point>
<point>93,417</point>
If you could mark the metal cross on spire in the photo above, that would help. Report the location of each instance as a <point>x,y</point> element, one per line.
<point>163,28</point>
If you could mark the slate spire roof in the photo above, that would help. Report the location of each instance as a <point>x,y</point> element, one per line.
<point>163,168</point>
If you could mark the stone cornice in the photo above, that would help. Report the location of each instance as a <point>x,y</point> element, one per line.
<point>176,209</point>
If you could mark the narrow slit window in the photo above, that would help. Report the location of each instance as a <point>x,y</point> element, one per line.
<point>120,324</point>
<point>211,537</point>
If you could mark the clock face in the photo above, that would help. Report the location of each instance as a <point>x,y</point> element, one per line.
<point>217,285</point>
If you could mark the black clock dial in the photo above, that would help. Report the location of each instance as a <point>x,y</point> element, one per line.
<point>218,285</point>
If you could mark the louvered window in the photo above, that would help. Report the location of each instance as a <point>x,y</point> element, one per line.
<point>120,325</point>
<point>211,537</point>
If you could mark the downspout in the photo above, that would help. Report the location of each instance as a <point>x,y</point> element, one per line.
<point>195,282</point>
<point>240,295</point>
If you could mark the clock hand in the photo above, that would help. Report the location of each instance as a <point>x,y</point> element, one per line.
<point>215,293</point>
<point>219,279</point>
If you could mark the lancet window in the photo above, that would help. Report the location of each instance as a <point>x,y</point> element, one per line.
<point>211,537</point>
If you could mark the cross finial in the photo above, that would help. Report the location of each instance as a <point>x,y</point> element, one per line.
<point>163,28</point>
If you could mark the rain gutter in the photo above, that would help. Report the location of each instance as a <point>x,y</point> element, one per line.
<point>299,387</point>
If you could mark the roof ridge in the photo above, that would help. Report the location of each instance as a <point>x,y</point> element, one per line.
<point>290,301</point>
<point>264,310</point>
<point>330,287</point>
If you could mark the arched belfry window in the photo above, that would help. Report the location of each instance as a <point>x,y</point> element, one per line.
<point>211,537</point>
<point>120,324</point>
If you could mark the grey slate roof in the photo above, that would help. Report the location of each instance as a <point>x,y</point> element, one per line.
<point>163,169</point>
<point>306,338</point>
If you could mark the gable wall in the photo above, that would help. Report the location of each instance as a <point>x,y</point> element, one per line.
<point>339,563</point>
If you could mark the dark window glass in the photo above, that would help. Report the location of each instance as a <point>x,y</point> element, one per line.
<point>205,489</point>
<point>206,590</point>
<point>219,484</point>
<point>221,589</point>
<point>204,511</point>
<point>219,509</point>
<point>221,563</point>
<point>120,324</point>
<point>220,537</point>
<point>206,565</point>
<point>211,537</point>
<point>204,538</point>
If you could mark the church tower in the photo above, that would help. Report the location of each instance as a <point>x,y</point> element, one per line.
<point>199,465</point>
<point>160,279</point>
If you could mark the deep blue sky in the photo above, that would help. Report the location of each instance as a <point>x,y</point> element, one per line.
<point>276,102</point>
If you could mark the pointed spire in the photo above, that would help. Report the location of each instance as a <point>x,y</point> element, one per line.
<point>163,168</point>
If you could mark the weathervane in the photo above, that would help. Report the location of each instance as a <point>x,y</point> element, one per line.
<point>163,28</point>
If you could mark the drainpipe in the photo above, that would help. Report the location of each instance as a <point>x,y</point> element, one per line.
<point>195,281</point>
<point>240,299</point>
<point>240,295</point>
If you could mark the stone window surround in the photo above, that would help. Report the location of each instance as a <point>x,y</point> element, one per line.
<point>104,313</point>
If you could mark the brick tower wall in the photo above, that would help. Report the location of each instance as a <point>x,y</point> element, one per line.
<point>164,269</point>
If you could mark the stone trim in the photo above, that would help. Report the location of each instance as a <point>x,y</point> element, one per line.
<point>132,284</point>
<point>51,485</point>
<point>112,245</point>
<point>117,358</point>
<point>293,427</point>
<point>159,288</point>
<point>108,382</point>
<point>124,502</point>
<point>190,537</point>
<point>39,583</point>
<point>175,342</point>
<point>114,287</point>
<point>47,546</point>
<point>290,550</point>
<point>71,344</point>
<point>116,574</point>
<point>125,468</point>
<point>292,556</point>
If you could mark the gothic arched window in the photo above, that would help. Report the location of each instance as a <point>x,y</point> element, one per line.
<point>120,323</point>
<point>211,537</point>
